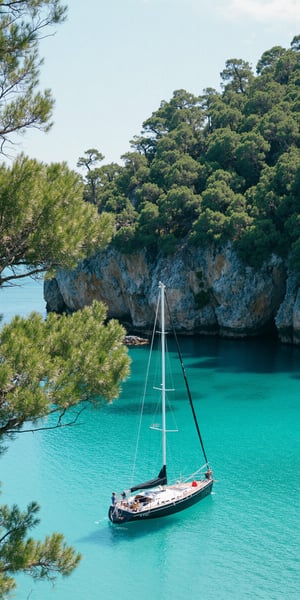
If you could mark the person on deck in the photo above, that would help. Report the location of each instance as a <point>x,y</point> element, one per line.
<point>208,473</point>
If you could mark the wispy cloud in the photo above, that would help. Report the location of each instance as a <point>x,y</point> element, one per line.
<point>263,11</point>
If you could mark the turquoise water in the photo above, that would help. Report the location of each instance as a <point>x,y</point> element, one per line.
<point>242,542</point>
<point>21,298</point>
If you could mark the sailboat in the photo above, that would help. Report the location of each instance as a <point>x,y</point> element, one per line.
<point>157,498</point>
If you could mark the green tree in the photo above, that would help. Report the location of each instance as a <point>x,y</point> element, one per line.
<point>183,172</point>
<point>22,24</point>
<point>215,161</point>
<point>148,226</point>
<point>45,370</point>
<point>250,156</point>
<point>178,209</point>
<point>40,559</point>
<point>211,227</point>
<point>148,192</point>
<point>295,43</point>
<point>77,357</point>
<point>262,96</point>
<point>220,113</point>
<point>280,128</point>
<point>237,75</point>
<point>218,196</point>
<point>44,222</point>
<point>183,109</point>
<point>258,242</point>
<point>92,157</point>
<point>51,368</point>
<point>221,147</point>
<point>268,61</point>
<point>286,65</point>
<point>188,138</point>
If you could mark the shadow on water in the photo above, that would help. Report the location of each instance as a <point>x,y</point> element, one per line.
<point>108,534</point>
<point>295,376</point>
<point>135,408</point>
<point>257,355</point>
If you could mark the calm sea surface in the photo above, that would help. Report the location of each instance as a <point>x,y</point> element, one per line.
<point>242,542</point>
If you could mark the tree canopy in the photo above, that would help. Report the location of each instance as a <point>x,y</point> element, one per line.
<point>40,559</point>
<point>51,368</point>
<point>48,368</point>
<point>216,167</point>
<point>207,169</point>
<point>44,222</point>
<point>22,104</point>
<point>34,195</point>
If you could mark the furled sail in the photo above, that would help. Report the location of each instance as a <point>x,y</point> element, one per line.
<point>161,479</point>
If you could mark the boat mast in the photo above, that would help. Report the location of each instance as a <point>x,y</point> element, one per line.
<point>186,381</point>
<point>163,372</point>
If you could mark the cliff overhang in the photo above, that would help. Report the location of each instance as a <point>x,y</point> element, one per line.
<point>210,291</point>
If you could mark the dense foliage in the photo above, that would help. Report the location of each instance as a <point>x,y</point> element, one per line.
<point>51,368</point>
<point>47,368</point>
<point>32,195</point>
<point>40,559</point>
<point>44,222</point>
<point>216,167</point>
<point>22,104</point>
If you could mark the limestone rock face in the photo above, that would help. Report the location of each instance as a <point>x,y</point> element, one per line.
<point>208,291</point>
<point>288,316</point>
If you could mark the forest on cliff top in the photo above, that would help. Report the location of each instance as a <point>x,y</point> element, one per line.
<point>212,168</point>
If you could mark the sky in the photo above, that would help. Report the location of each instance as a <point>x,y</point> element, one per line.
<point>112,62</point>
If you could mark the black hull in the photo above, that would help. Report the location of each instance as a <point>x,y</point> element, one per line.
<point>124,516</point>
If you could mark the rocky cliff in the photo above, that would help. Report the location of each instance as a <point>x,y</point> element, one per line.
<point>209,291</point>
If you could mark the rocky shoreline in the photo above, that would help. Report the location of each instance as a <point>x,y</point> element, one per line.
<point>210,291</point>
<point>135,340</point>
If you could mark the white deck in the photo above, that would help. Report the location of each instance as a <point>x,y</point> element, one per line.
<point>160,496</point>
